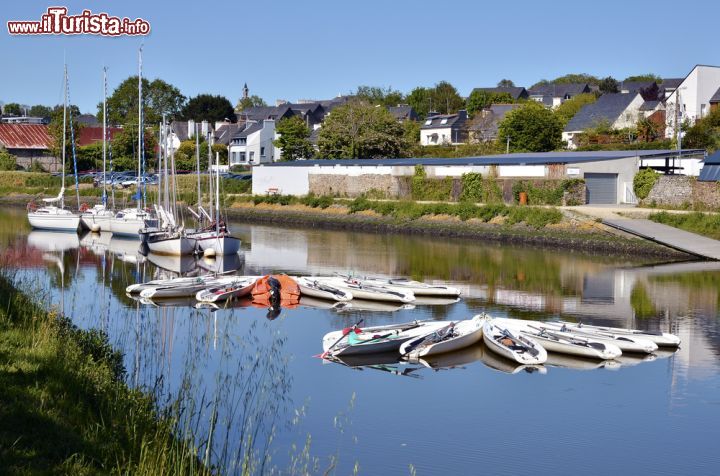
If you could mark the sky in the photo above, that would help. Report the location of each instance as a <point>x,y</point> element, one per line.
<point>317,49</point>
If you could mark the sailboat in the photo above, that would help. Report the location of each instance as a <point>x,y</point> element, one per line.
<point>51,216</point>
<point>216,238</point>
<point>129,221</point>
<point>98,217</point>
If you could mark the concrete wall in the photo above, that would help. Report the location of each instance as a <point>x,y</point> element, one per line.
<point>356,185</point>
<point>695,93</point>
<point>681,191</point>
<point>625,168</point>
<point>283,180</point>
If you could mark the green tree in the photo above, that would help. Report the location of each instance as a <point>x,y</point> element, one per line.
<point>185,158</point>
<point>206,107</point>
<point>446,99</point>
<point>531,128</point>
<point>12,109</point>
<point>644,77</point>
<point>569,78</point>
<point>411,132</point>
<point>250,101</point>
<point>648,130</point>
<point>381,96</point>
<point>506,83</point>
<point>567,110</point>
<point>56,132</point>
<point>159,98</point>
<point>294,139</point>
<point>124,148</point>
<point>40,111</point>
<point>420,99</point>
<point>480,99</point>
<point>359,130</point>
<point>90,156</point>
<point>609,85</point>
<point>7,160</point>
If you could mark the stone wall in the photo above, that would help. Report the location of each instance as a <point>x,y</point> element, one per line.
<point>356,185</point>
<point>684,192</point>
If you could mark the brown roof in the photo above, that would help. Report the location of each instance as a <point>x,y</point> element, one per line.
<point>92,134</point>
<point>25,136</point>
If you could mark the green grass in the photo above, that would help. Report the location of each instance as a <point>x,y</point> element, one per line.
<point>64,408</point>
<point>706,224</point>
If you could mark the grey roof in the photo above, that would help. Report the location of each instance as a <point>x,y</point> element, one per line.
<point>635,86</point>
<point>716,97</point>
<point>649,105</point>
<point>710,173</point>
<point>485,123</point>
<point>526,158</point>
<point>223,133</point>
<point>243,133</point>
<point>87,120</point>
<point>608,107</point>
<point>180,128</point>
<point>713,159</point>
<point>560,90</point>
<point>261,113</point>
<point>451,120</point>
<point>515,92</point>
<point>671,83</point>
<point>403,112</point>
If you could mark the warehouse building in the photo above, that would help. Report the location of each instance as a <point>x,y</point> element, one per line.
<point>608,175</point>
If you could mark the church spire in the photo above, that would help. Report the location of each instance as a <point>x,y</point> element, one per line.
<point>246,91</point>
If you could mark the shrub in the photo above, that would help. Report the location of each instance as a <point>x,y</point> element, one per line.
<point>472,187</point>
<point>7,160</point>
<point>643,182</point>
<point>423,188</point>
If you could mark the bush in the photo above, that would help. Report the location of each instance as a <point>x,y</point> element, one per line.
<point>472,187</point>
<point>643,182</point>
<point>423,188</point>
<point>7,160</point>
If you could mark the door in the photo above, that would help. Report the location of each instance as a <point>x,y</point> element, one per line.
<point>601,188</point>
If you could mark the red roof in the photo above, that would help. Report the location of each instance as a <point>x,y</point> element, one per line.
<point>92,134</point>
<point>25,136</point>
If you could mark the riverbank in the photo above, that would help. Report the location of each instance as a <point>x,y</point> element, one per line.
<point>64,406</point>
<point>571,233</point>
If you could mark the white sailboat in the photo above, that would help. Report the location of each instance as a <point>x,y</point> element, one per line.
<point>51,216</point>
<point>98,217</point>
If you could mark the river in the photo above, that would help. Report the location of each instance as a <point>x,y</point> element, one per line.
<point>244,378</point>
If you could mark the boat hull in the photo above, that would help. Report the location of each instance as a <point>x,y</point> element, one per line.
<point>127,227</point>
<point>238,288</point>
<point>222,244</point>
<point>308,288</point>
<point>59,222</point>
<point>469,332</point>
<point>371,293</point>
<point>492,335</point>
<point>95,221</point>
<point>173,246</point>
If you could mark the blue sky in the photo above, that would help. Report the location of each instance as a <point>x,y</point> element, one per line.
<point>318,49</point>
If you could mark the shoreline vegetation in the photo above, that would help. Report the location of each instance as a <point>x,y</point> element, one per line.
<point>64,405</point>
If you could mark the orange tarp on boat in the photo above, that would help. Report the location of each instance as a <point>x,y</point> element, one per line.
<point>289,290</point>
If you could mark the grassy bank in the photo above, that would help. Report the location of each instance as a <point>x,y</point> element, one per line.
<point>64,408</point>
<point>707,224</point>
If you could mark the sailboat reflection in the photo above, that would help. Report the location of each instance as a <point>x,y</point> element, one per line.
<point>389,362</point>
<point>53,240</point>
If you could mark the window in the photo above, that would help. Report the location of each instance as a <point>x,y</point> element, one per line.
<point>262,151</point>
<point>428,122</point>
<point>444,121</point>
<point>252,156</point>
<point>242,156</point>
<point>702,110</point>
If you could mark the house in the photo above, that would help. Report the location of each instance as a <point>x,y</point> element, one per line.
<point>223,131</point>
<point>617,110</point>
<point>515,92</point>
<point>552,95</point>
<point>87,120</point>
<point>92,134</point>
<point>484,126</point>
<point>253,144</point>
<point>627,87</point>
<point>180,131</point>
<point>403,112</point>
<point>441,129</point>
<point>24,120</point>
<point>693,96</point>
<point>669,85</point>
<point>715,100</point>
<point>30,143</point>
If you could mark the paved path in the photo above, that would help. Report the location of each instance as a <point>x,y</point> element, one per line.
<point>682,240</point>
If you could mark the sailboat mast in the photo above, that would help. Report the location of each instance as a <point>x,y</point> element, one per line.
<point>64,141</point>
<point>210,181</point>
<point>197,159</point>
<point>217,190</point>
<point>104,150</point>
<point>140,108</point>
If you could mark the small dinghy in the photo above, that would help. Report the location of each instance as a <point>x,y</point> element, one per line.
<point>418,288</point>
<point>363,290</point>
<point>185,289</point>
<point>378,339</point>
<point>454,336</point>
<point>137,288</point>
<point>661,339</point>
<point>563,343</point>
<point>240,286</point>
<point>626,342</point>
<point>313,288</point>
<point>520,348</point>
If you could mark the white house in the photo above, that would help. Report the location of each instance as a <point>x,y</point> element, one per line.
<point>253,145</point>
<point>444,129</point>
<point>617,110</point>
<point>693,95</point>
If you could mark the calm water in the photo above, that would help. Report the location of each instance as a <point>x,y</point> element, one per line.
<point>473,413</point>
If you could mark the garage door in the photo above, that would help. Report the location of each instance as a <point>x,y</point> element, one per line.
<point>601,188</point>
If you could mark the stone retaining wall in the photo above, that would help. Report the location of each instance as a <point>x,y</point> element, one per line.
<point>684,192</point>
<point>355,185</point>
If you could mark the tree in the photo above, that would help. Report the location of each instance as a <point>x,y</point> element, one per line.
<point>648,130</point>
<point>185,158</point>
<point>7,160</point>
<point>250,101</point>
<point>567,110</point>
<point>124,148</point>
<point>420,100</point>
<point>359,130</point>
<point>12,109</point>
<point>480,99</point>
<point>294,138</point>
<point>72,128</point>
<point>40,111</point>
<point>704,134</point>
<point>506,83</point>
<point>643,78</point>
<point>411,132</point>
<point>445,98</point>
<point>569,78</point>
<point>381,96</point>
<point>159,98</point>
<point>531,128</point>
<point>90,156</point>
<point>609,85</point>
<point>206,107</point>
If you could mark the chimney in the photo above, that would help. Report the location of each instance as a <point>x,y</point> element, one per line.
<point>191,128</point>
<point>280,102</point>
<point>204,128</point>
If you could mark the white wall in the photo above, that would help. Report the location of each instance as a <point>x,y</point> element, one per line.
<point>696,90</point>
<point>625,168</point>
<point>521,171</point>
<point>283,180</point>
<point>253,147</point>
<point>630,115</point>
<point>444,136</point>
<point>690,167</point>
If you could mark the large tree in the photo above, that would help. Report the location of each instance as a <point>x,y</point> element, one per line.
<point>567,110</point>
<point>159,98</point>
<point>40,111</point>
<point>569,79</point>
<point>420,100</point>
<point>294,138</point>
<point>609,85</point>
<point>359,130</point>
<point>445,98</point>
<point>206,107</point>
<point>480,99</point>
<point>72,130</point>
<point>530,128</point>
<point>250,101</point>
<point>506,83</point>
<point>124,146</point>
<point>12,109</point>
<point>378,95</point>
<point>644,77</point>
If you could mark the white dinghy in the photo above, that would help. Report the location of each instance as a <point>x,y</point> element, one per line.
<point>240,286</point>
<point>456,335</point>
<point>182,290</point>
<point>418,288</point>
<point>661,339</point>
<point>626,342</point>
<point>564,343</point>
<point>378,339</point>
<point>312,287</point>
<point>520,348</point>
<point>362,290</point>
